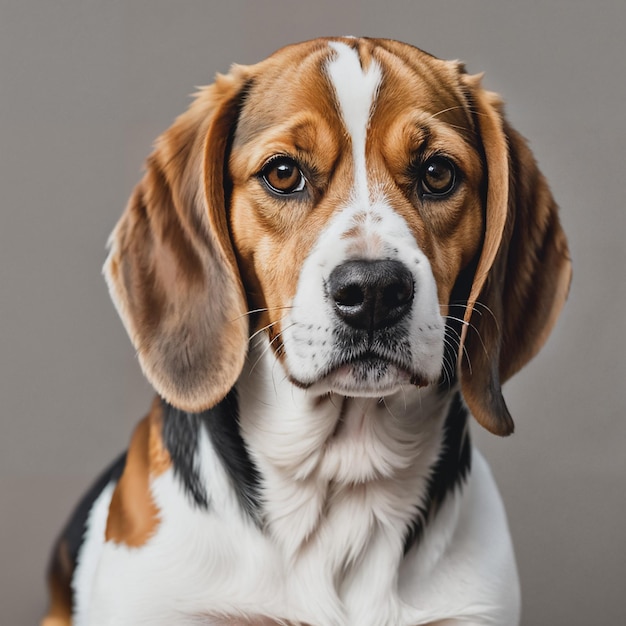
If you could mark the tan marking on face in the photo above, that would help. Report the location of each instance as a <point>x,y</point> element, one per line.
<point>366,246</point>
<point>133,515</point>
<point>356,231</point>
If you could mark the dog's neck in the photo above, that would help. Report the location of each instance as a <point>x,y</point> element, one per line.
<point>323,456</point>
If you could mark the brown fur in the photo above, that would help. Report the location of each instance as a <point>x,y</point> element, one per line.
<point>170,258</point>
<point>133,515</point>
<point>524,271</point>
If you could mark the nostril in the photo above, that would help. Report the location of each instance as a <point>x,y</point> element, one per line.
<point>398,293</point>
<point>350,295</point>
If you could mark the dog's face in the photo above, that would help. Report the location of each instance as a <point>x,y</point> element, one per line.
<point>362,197</point>
<point>353,213</point>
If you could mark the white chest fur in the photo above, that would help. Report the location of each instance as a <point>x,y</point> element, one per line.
<point>342,480</point>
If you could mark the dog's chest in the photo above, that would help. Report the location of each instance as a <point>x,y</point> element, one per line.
<point>339,485</point>
<point>341,482</point>
<point>334,562</point>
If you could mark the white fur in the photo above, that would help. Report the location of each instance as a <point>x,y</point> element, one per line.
<point>470,547</point>
<point>356,93</point>
<point>198,563</point>
<point>90,554</point>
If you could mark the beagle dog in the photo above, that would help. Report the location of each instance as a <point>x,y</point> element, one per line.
<point>334,258</point>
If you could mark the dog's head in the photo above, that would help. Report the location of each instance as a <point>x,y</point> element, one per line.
<point>363,203</point>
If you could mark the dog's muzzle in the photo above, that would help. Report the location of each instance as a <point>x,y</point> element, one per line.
<point>372,302</point>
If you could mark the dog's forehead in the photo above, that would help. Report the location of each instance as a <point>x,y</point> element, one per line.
<point>301,78</point>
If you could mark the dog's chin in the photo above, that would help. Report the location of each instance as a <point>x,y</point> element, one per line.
<point>367,378</point>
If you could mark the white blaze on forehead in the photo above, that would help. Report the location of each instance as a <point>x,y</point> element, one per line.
<point>356,93</point>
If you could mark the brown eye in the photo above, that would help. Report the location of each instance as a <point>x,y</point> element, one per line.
<point>438,177</point>
<point>283,176</point>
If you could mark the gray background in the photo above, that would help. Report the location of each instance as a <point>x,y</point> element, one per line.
<point>84,89</point>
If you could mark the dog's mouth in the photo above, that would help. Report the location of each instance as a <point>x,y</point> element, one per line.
<point>367,374</point>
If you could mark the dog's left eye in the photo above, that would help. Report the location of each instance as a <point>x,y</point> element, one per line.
<point>283,176</point>
<point>438,177</point>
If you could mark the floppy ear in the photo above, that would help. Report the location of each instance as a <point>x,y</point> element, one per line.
<point>523,273</point>
<point>171,269</point>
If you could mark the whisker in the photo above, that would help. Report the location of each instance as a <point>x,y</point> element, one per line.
<point>457,345</point>
<point>449,371</point>
<point>273,374</point>
<point>461,128</point>
<point>448,363</point>
<point>453,108</point>
<point>475,307</point>
<point>262,310</point>
<point>473,327</point>
<point>464,322</point>
<point>269,345</point>
<point>251,312</point>
<point>464,107</point>
<point>447,376</point>
<point>331,399</point>
<point>389,411</point>
<point>267,327</point>
<point>264,351</point>
<point>488,310</point>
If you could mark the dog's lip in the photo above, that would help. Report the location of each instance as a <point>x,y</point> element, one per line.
<point>405,374</point>
<point>369,356</point>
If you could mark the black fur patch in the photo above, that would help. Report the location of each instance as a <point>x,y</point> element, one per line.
<point>180,436</point>
<point>450,470</point>
<point>181,432</point>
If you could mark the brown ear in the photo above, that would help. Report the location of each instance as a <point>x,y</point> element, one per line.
<point>523,273</point>
<point>171,269</point>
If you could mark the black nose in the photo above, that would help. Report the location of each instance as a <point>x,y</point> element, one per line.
<point>370,295</point>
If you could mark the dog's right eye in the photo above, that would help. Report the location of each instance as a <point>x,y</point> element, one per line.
<point>283,176</point>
